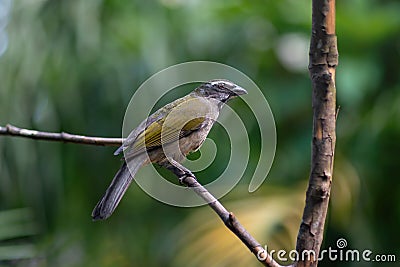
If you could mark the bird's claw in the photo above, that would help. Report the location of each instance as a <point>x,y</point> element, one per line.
<point>182,178</point>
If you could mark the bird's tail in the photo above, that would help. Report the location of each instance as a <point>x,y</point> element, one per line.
<point>107,204</point>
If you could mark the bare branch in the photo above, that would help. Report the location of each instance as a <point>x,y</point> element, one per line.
<point>322,67</point>
<point>60,137</point>
<point>231,222</point>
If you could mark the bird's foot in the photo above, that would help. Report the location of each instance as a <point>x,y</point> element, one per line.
<point>180,179</point>
<point>186,175</point>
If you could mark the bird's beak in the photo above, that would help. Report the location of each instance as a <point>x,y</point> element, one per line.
<point>239,90</point>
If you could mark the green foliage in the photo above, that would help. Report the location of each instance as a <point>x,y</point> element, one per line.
<point>73,66</point>
<point>17,227</point>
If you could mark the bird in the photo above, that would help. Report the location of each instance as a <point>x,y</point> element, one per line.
<point>166,137</point>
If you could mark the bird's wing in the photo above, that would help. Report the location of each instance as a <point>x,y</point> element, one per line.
<point>180,120</point>
<point>159,133</point>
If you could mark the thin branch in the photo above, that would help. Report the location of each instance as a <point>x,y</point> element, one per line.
<point>59,137</point>
<point>322,67</point>
<point>231,222</point>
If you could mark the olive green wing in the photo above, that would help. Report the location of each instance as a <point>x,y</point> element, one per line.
<point>159,132</point>
<point>173,121</point>
<point>156,117</point>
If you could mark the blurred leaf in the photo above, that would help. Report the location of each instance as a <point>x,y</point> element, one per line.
<point>17,252</point>
<point>16,223</point>
<point>203,240</point>
<point>15,227</point>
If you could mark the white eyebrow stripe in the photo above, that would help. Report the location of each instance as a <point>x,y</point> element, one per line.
<point>221,81</point>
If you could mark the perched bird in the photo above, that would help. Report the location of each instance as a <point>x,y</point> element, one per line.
<point>167,136</point>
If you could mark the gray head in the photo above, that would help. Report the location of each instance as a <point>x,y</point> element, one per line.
<point>222,90</point>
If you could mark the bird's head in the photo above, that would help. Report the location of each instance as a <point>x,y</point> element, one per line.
<point>222,90</point>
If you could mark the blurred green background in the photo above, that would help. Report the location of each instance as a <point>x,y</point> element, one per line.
<point>73,66</point>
